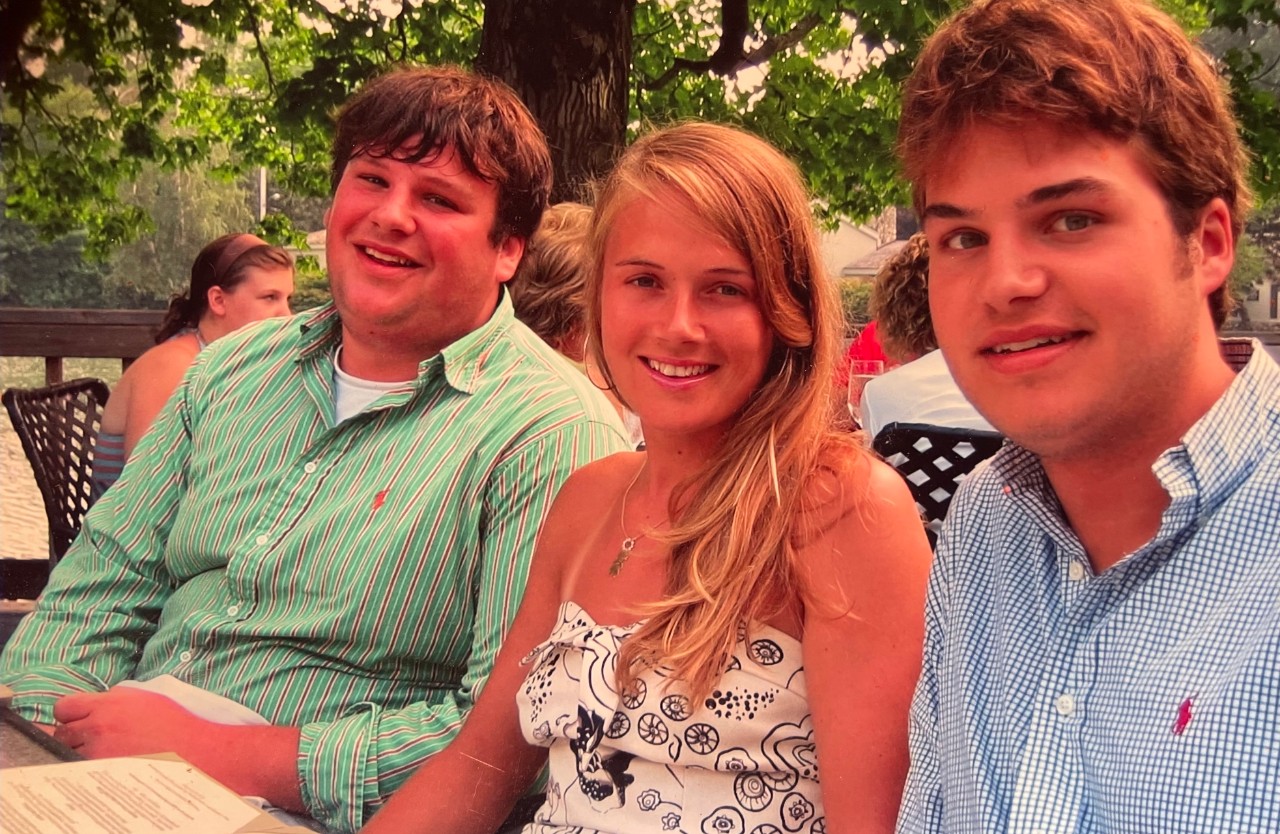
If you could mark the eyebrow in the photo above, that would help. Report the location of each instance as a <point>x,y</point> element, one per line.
<point>644,262</point>
<point>424,173</point>
<point>1080,185</point>
<point>1044,194</point>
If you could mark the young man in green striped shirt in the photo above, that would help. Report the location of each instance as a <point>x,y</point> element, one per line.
<point>326,533</point>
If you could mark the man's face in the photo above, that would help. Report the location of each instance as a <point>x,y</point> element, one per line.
<point>1070,311</point>
<point>409,255</point>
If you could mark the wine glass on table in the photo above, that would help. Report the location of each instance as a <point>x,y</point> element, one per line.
<point>861,371</point>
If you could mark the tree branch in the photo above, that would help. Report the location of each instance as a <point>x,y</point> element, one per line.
<point>262,49</point>
<point>19,15</point>
<point>730,57</point>
<point>1259,77</point>
<point>780,43</point>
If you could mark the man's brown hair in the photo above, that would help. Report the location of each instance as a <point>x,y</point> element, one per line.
<point>1122,68</point>
<point>411,113</point>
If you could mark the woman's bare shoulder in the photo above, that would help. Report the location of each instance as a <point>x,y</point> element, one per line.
<point>861,520</point>
<point>585,499</point>
<point>166,361</point>
<point>592,483</point>
<point>850,480</point>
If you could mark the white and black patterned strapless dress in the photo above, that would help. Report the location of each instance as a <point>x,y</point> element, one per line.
<point>648,760</point>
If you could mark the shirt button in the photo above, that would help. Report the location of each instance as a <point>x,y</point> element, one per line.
<point>262,539</point>
<point>1076,571</point>
<point>233,610</point>
<point>185,657</point>
<point>310,468</point>
<point>1065,705</point>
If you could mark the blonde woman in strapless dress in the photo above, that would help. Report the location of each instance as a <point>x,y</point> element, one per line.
<point>721,634</point>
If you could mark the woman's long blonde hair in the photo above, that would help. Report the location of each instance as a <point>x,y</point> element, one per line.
<point>736,524</point>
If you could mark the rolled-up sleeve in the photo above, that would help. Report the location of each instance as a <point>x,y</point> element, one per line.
<point>104,597</point>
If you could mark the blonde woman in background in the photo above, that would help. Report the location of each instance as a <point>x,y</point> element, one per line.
<point>235,280</point>
<point>735,610</point>
<point>549,288</point>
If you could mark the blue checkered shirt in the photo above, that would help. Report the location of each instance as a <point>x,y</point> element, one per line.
<point>1143,699</point>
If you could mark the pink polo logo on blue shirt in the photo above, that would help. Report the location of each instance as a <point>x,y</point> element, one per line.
<point>1184,716</point>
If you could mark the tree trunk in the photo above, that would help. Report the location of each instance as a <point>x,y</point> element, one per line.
<point>569,60</point>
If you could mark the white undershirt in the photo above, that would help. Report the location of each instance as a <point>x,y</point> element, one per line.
<point>351,394</point>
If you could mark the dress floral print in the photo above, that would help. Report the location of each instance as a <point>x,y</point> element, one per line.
<point>742,761</point>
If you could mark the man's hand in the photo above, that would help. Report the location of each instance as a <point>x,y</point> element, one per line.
<point>127,722</point>
<point>251,760</point>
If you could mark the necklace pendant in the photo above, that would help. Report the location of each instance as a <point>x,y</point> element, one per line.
<point>621,559</point>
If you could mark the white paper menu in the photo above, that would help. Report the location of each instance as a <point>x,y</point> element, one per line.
<point>120,796</point>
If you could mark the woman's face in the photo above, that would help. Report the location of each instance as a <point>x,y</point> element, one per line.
<point>264,293</point>
<point>682,330</point>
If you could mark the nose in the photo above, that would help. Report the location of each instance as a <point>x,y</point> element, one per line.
<point>684,322</point>
<point>392,212</point>
<point>282,309</point>
<point>1014,275</point>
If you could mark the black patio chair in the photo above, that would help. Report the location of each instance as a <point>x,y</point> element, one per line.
<point>934,460</point>
<point>58,426</point>
<point>1236,351</point>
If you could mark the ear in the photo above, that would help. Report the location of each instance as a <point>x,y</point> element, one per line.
<point>510,251</point>
<point>217,301</point>
<point>1212,247</point>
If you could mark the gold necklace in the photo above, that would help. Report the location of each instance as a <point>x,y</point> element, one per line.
<point>628,542</point>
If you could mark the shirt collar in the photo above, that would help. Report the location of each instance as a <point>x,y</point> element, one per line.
<point>462,361</point>
<point>1224,446</point>
<point>1219,451</point>
<point>318,330</point>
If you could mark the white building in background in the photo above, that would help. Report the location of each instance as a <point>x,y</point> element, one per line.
<point>313,249</point>
<point>1263,305</point>
<point>848,243</point>
<point>890,232</point>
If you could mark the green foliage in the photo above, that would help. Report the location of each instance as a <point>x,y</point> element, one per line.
<point>132,85</point>
<point>56,273</point>
<point>310,285</point>
<point>1251,267</point>
<point>255,84</point>
<point>855,297</point>
<point>186,210</point>
<point>1245,36</point>
<point>837,120</point>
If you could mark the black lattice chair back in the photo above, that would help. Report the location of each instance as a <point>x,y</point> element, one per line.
<point>58,427</point>
<point>933,460</point>
<point>1236,351</point>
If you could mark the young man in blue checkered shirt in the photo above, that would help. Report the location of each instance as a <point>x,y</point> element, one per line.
<point>1103,620</point>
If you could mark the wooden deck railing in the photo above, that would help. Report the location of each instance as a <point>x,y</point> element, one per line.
<point>56,334</point>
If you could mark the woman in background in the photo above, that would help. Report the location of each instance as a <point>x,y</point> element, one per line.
<point>235,280</point>
<point>548,293</point>
<point>737,609</point>
<point>919,388</point>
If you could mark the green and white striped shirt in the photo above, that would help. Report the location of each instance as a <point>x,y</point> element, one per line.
<point>354,580</point>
